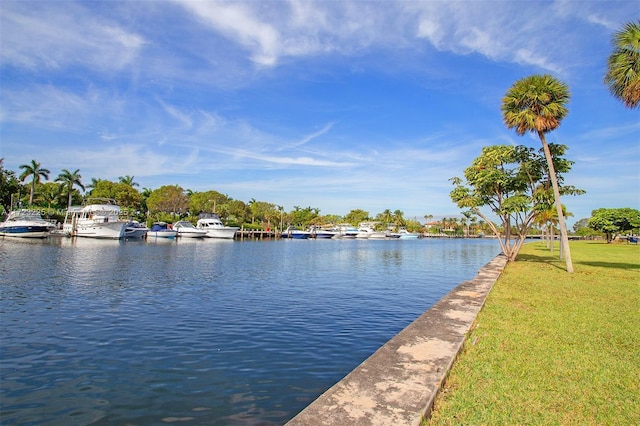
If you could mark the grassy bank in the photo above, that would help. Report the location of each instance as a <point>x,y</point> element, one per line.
<point>551,347</point>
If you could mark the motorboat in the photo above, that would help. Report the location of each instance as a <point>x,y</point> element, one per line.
<point>323,233</point>
<point>161,230</point>
<point>406,235</point>
<point>366,230</point>
<point>347,230</point>
<point>26,224</point>
<point>99,218</point>
<point>214,227</point>
<point>187,230</point>
<point>295,233</point>
<point>135,230</point>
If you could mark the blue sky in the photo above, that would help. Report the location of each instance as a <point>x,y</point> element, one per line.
<point>336,105</point>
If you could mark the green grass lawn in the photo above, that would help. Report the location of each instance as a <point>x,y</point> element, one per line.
<point>551,347</point>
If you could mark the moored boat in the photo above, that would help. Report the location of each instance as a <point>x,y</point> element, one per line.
<point>214,227</point>
<point>347,230</point>
<point>366,230</point>
<point>99,218</point>
<point>323,233</point>
<point>294,233</point>
<point>26,224</point>
<point>187,230</point>
<point>135,229</point>
<point>161,230</point>
<point>406,235</point>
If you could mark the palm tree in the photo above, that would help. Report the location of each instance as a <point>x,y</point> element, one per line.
<point>538,104</point>
<point>128,180</point>
<point>68,180</point>
<point>623,70</point>
<point>33,169</point>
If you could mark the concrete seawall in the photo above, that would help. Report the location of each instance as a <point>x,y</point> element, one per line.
<point>397,385</point>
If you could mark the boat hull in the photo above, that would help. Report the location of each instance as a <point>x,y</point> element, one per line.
<point>162,234</point>
<point>191,234</point>
<point>228,234</point>
<point>25,231</point>
<point>108,230</point>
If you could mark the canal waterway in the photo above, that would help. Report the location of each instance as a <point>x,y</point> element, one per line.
<point>208,332</point>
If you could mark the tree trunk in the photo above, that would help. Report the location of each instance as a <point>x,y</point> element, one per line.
<point>564,237</point>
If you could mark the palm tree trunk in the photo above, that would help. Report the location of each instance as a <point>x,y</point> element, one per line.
<point>564,237</point>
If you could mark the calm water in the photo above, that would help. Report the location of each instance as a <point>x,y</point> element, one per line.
<point>204,332</point>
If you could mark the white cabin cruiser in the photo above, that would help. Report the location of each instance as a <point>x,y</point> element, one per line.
<point>100,218</point>
<point>26,224</point>
<point>187,230</point>
<point>215,228</point>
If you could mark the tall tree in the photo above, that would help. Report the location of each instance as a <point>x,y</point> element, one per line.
<point>510,181</point>
<point>36,172</point>
<point>623,68</point>
<point>69,180</point>
<point>538,104</point>
<point>127,180</point>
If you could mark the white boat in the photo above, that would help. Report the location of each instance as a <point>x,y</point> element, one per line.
<point>161,230</point>
<point>215,228</point>
<point>347,230</point>
<point>187,230</point>
<point>135,230</point>
<point>295,233</point>
<point>100,218</point>
<point>323,233</point>
<point>406,235</point>
<point>366,230</point>
<point>26,224</point>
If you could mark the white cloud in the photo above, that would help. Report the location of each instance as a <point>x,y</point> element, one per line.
<point>238,22</point>
<point>55,35</point>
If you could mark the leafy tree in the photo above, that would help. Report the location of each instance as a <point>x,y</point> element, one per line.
<point>128,180</point>
<point>209,202</point>
<point>615,221</point>
<point>237,209</point>
<point>538,104</point>
<point>303,217</point>
<point>168,199</point>
<point>510,181</point>
<point>51,193</point>
<point>9,185</point>
<point>355,217</point>
<point>36,172</point>
<point>69,180</point>
<point>581,228</point>
<point>263,211</point>
<point>125,195</point>
<point>623,68</point>
<point>93,184</point>
<point>386,217</point>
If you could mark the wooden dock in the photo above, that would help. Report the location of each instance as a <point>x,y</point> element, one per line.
<point>246,234</point>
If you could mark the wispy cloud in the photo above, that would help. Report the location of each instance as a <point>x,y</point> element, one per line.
<point>42,34</point>
<point>308,138</point>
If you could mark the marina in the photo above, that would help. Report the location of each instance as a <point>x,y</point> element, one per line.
<point>210,331</point>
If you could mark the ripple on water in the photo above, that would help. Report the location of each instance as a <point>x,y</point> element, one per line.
<point>204,332</point>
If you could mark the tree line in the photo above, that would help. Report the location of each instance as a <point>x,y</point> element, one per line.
<point>518,185</point>
<point>31,188</point>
